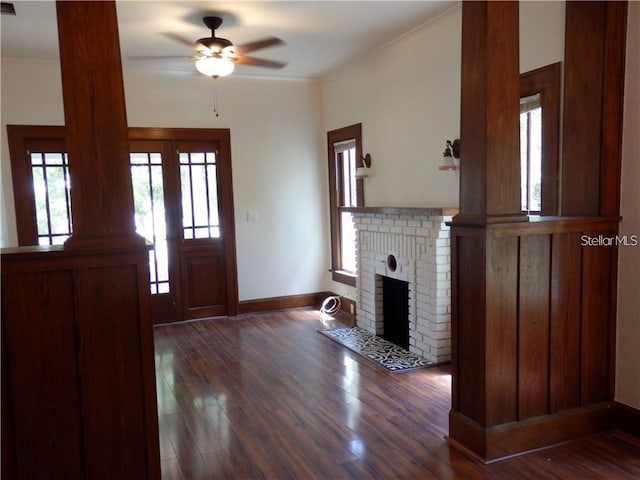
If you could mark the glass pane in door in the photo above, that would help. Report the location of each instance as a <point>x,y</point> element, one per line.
<point>148,199</point>
<point>198,184</point>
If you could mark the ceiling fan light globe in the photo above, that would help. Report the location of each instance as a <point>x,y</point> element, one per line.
<point>214,66</point>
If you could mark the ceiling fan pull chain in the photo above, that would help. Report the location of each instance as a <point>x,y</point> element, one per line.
<point>215,97</point>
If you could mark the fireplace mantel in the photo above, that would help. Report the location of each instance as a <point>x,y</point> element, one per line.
<point>426,211</point>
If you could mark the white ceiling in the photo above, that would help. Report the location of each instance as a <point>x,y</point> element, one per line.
<point>318,35</point>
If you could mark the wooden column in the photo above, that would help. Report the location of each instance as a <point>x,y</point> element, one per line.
<point>593,90</point>
<point>78,372</point>
<point>96,123</point>
<point>489,129</point>
<point>485,302</point>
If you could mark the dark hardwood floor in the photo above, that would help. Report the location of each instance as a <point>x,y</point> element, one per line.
<point>265,396</point>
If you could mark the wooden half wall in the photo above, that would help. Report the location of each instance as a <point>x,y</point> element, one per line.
<point>534,298</point>
<point>78,393</point>
<point>78,376</point>
<point>533,367</point>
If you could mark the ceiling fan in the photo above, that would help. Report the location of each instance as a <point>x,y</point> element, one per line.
<point>217,56</point>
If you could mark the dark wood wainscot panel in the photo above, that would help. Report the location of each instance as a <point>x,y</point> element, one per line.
<point>70,322</point>
<point>547,335</point>
<point>204,289</point>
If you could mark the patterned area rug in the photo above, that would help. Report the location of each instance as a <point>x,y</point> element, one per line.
<point>381,351</point>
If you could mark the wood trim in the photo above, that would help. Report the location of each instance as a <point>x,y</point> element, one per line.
<point>228,224</point>
<point>554,225</point>
<point>468,371</point>
<point>347,279</point>
<point>282,303</point>
<point>19,137</point>
<point>500,442</point>
<point>313,300</point>
<point>347,305</point>
<point>546,81</point>
<point>627,419</point>
<point>176,134</point>
<point>333,136</point>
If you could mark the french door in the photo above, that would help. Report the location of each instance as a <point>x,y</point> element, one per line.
<point>183,206</point>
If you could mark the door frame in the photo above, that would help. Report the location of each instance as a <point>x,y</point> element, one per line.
<point>222,136</point>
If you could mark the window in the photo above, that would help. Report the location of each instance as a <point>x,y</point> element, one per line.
<point>51,189</point>
<point>344,147</point>
<point>346,161</point>
<point>531,153</point>
<point>539,139</point>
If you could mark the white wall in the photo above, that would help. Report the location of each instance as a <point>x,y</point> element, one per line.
<point>278,172</point>
<point>628,338</point>
<point>31,94</point>
<point>407,96</point>
<point>541,34</point>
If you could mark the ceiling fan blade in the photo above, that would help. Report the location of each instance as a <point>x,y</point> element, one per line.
<point>158,57</point>
<point>178,38</point>
<point>259,62</point>
<point>258,44</point>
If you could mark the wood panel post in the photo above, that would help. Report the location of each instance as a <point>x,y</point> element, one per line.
<point>593,99</point>
<point>96,123</point>
<point>489,129</point>
<point>489,194</point>
<point>485,268</point>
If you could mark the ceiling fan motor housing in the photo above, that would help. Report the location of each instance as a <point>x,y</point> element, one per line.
<point>212,23</point>
<point>212,45</point>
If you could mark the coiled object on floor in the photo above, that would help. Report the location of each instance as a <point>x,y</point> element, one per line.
<point>330,305</point>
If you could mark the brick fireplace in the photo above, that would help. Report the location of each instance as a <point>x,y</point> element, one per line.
<point>410,245</point>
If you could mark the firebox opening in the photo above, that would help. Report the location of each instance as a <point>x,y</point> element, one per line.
<point>395,311</point>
